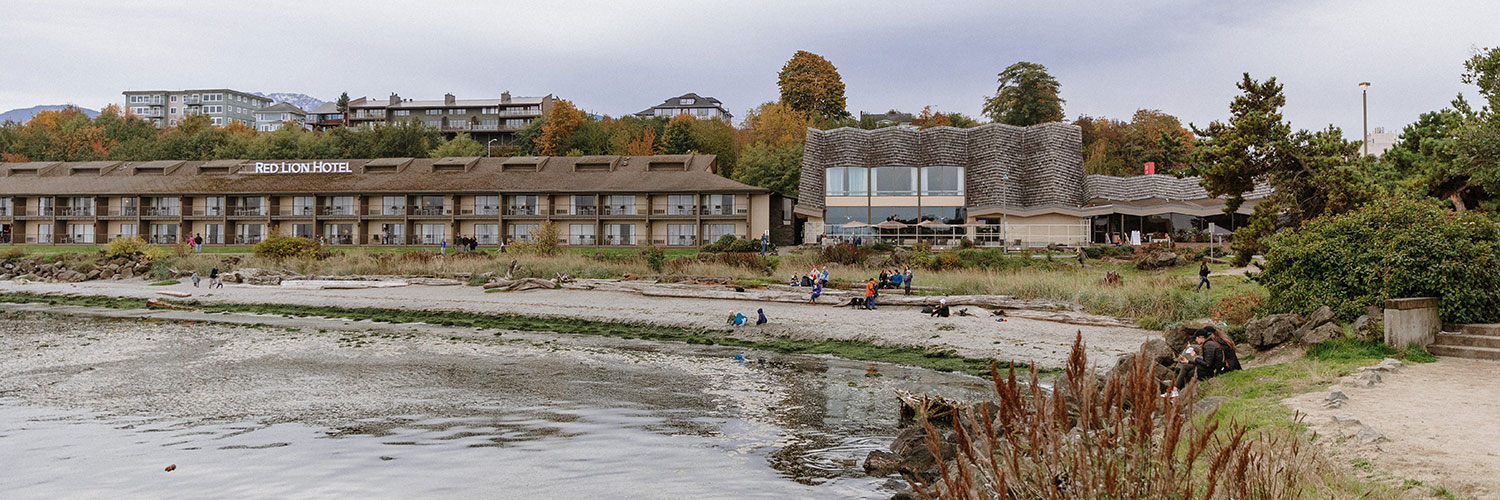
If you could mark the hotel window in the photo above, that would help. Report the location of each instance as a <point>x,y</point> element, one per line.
<point>486,205</point>
<point>430,234</point>
<point>162,205</point>
<point>516,123</point>
<point>303,205</point>
<point>620,204</point>
<point>250,206</point>
<point>619,234</point>
<point>43,234</point>
<point>81,233</point>
<point>434,112</point>
<point>719,204</point>
<point>391,234</point>
<point>164,233</point>
<point>458,111</point>
<point>172,110</point>
<point>894,181</point>
<point>47,205</point>
<point>519,232</point>
<point>680,204</point>
<point>487,234</point>
<point>942,181</point>
<point>213,234</point>
<point>339,205</point>
<point>582,204</point>
<point>399,112</point>
<point>213,97</point>
<point>250,234</point>
<point>580,234</point>
<point>339,234</point>
<point>126,230</point>
<point>525,204</point>
<point>716,231</point>
<point>302,230</point>
<point>489,124</point>
<point>432,205</point>
<point>682,234</point>
<point>489,111</point>
<point>213,205</point>
<point>847,181</point>
<point>218,122</point>
<point>433,123</point>
<point>393,205</point>
<point>174,98</point>
<point>5,207</point>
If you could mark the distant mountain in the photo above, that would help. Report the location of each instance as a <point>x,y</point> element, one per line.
<point>24,115</point>
<point>304,101</point>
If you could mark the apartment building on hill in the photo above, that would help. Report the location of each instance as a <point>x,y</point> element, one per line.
<point>164,108</point>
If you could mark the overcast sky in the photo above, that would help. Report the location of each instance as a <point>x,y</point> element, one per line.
<point>618,57</point>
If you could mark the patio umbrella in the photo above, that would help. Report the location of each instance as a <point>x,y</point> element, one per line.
<point>854,225</point>
<point>933,225</point>
<point>891,224</point>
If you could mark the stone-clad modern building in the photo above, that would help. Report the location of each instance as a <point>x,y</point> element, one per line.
<point>667,200</point>
<point>164,108</point>
<point>993,183</point>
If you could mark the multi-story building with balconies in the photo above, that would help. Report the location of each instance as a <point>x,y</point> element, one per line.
<point>482,119</point>
<point>272,118</point>
<point>689,104</point>
<point>621,201</point>
<point>164,108</point>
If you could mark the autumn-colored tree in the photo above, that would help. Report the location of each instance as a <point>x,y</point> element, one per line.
<point>13,158</point>
<point>776,124</point>
<point>1114,147</point>
<point>678,138</point>
<point>812,86</point>
<point>643,146</point>
<point>929,118</point>
<point>560,123</point>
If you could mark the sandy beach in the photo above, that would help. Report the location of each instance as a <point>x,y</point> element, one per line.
<point>1043,343</point>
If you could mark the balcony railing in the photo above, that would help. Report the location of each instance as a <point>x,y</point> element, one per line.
<point>487,239</point>
<point>720,210</point>
<point>303,211</point>
<point>583,210</point>
<point>247,239</point>
<point>579,239</point>
<point>162,239</point>
<point>480,210</point>
<point>124,212</point>
<point>521,210</point>
<point>682,241</point>
<point>396,210</point>
<point>681,210</point>
<point>622,210</point>
<point>76,211</point>
<point>160,211</point>
<point>619,240</point>
<point>439,210</point>
<point>80,239</point>
<point>428,239</point>
<point>389,239</point>
<point>336,210</point>
<point>4,211</point>
<point>248,212</point>
<point>339,239</point>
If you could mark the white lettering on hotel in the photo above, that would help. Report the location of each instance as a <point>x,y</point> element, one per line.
<point>303,167</point>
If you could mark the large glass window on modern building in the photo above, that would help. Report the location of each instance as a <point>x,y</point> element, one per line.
<point>894,181</point>
<point>582,204</point>
<point>847,181</point>
<point>249,234</point>
<point>620,204</point>
<point>525,204</point>
<point>718,204</point>
<point>164,234</point>
<point>487,205</point>
<point>519,232</point>
<point>393,205</point>
<point>682,234</point>
<point>716,231</point>
<point>619,234</point>
<point>127,230</point>
<point>487,234</point>
<point>942,181</point>
<point>80,233</point>
<point>580,234</point>
<point>431,234</point>
<point>680,204</point>
<point>844,215</point>
<point>303,205</point>
<point>946,215</point>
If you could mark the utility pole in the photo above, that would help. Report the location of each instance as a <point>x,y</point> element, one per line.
<point>1364,93</point>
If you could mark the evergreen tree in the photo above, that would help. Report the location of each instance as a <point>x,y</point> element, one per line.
<point>1027,95</point>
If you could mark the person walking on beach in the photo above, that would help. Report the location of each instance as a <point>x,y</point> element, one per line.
<point>213,278</point>
<point>870,294</point>
<point>1203,277</point>
<point>196,279</point>
<point>906,283</point>
<point>443,246</point>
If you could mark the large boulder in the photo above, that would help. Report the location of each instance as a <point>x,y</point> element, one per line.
<point>1321,333</point>
<point>1271,331</point>
<point>1320,317</point>
<point>1156,352</point>
<point>1177,337</point>
<point>1156,259</point>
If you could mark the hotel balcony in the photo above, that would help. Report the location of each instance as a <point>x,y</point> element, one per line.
<point>523,211</point>
<point>722,210</point>
<point>480,210</point>
<point>618,240</point>
<point>162,239</point>
<point>435,211</point>
<point>336,211</point>
<point>621,210</point>
<point>248,212</point>
<point>75,211</point>
<point>389,211</point>
<point>160,212</point>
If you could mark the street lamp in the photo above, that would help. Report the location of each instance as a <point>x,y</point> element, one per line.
<point>1364,95</point>
<point>487,147</point>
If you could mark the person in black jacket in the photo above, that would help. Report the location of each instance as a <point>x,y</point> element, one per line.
<point>941,310</point>
<point>1203,277</point>
<point>1214,359</point>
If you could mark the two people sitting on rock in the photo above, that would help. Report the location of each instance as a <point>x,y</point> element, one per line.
<point>1216,356</point>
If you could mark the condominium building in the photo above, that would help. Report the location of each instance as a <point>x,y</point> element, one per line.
<point>483,119</point>
<point>993,184</point>
<point>326,116</point>
<point>164,108</point>
<point>622,201</point>
<point>272,118</point>
<point>688,104</point>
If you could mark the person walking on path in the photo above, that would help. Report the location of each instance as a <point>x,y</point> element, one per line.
<point>213,279</point>
<point>906,283</point>
<point>765,239</point>
<point>870,294</point>
<point>196,279</point>
<point>1203,277</point>
<point>443,246</point>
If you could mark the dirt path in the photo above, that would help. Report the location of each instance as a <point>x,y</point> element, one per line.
<point>1439,421</point>
<point>1041,342</point>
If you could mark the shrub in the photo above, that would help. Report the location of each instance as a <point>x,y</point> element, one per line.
<point>279,248</point>
<point>1108,251</point>
<point>721,245</point>
<point>543,240</point>
<point>1392,248</point>
<point>1237,309</point>
<point>846,254</point>
<point>13,253</point>
<point>881,246</point>
<point>965,243</point>
<point>656,259</point>
<point>126,246</point>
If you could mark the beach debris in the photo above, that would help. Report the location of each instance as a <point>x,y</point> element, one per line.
<point>171,467</point>
<point>157,304</point>
<point>174,294</point>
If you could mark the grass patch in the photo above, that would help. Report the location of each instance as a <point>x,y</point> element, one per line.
<point>1255,394</point>
<point>1417,354</point>
<point>166,283</point>
<point>1345,349</point>
<point>941,360</point>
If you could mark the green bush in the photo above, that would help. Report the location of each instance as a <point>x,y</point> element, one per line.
<point>881,246</point>
<point>656,259</point>
<point>129,245</point>
<point>1392,248</point>
<point>1108,251</point>
<point>845,253</point>
<point>278,247</point>
<point>13,253</point>
<point>730,243</point>
<point>1345,349</point>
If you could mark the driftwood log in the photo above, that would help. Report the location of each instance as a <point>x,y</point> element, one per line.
<point>520,284</point>
<point>157,304</point>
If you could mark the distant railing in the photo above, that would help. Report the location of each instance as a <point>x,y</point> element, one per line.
<point>521,210</point>
<point>622,210</point>
<point>162,239</point>
<point>437,210</point>
<point>160,211</point>
<point>336,210</point>
<point>75,211</point>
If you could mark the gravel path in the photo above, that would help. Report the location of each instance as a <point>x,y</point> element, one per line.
<point>1043,343</point>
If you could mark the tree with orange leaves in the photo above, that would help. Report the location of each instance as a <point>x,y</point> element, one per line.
<point>559,124</point>
<point>929,118</point>
<point>643,146</point>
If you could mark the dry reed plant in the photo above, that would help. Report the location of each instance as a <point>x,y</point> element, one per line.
<point>1118,441</point>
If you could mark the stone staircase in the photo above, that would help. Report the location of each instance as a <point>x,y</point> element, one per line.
<point>1471,341</point>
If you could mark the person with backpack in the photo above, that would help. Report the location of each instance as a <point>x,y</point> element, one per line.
<point>1217,357</point>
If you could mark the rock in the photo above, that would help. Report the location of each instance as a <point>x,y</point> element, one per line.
<point>911,449</point>
<point>1208,404</point>
<point>1364,328</point>
<point>1320,317</point>
<point>1374,312</point>
<point>1368,435</point>
<point>1177,337</point>
<point>1321,333</point>
<point>1156,259</point>
<point>1343,421</point>
<point>1271,331</point>
<point>1363,379</point>
<point>882,463</point>
<point>1157,353</point>
<point>1337,395</point>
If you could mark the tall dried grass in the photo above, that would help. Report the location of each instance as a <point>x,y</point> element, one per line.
<point>1118,441</point>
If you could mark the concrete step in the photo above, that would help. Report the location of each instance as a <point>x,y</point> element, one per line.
<point>1463,339</point>
<point>1491,330</point>
<point>1465,351</point>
